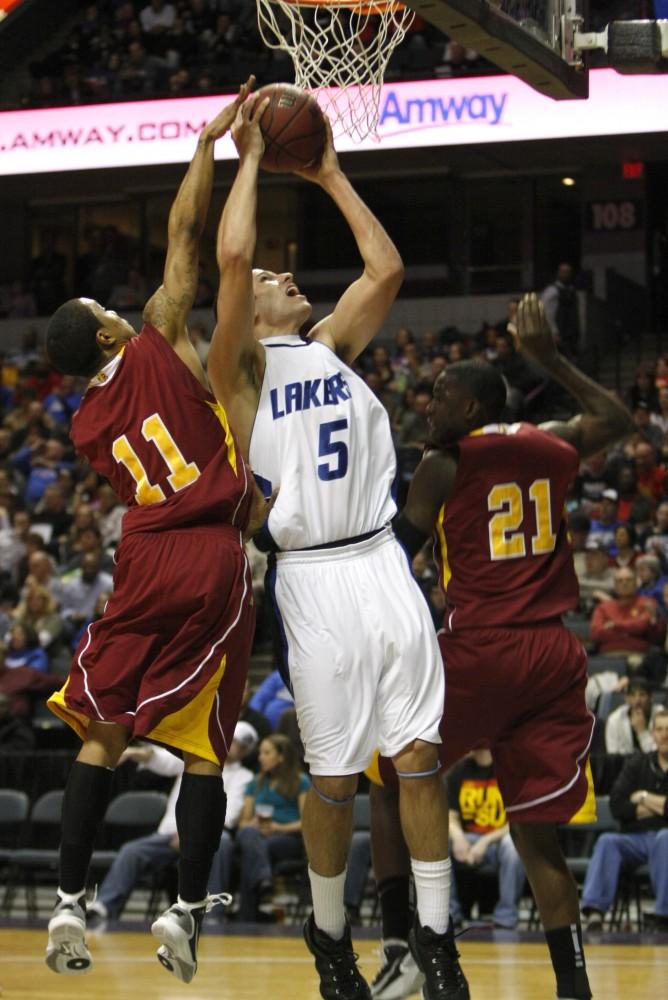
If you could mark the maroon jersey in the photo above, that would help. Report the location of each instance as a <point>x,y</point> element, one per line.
<point>501,542</point>
<point>162,440</point>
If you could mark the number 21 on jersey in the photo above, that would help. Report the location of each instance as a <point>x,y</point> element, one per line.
<point>507,536</point>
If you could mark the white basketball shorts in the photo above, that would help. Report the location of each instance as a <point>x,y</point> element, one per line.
<point>361,650</point>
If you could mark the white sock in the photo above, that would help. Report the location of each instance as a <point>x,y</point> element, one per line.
<point>328,910</point>
<point>71,897</point>
<point>432,891</point>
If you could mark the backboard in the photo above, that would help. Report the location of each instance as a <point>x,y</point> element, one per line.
<point>528,38</point>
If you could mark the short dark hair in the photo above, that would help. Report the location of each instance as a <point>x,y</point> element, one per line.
<point>484,383</point>
<point>71,340</point>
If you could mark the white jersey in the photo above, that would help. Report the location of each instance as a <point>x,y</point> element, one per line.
<point>323,440</point>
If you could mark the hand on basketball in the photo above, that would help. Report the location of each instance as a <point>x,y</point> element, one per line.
<point>223,121</point>
<point>246,128</point>
<point>329,161</point>
<point>532,334</point>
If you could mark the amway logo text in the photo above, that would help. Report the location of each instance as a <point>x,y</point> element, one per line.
<point>487,108</point>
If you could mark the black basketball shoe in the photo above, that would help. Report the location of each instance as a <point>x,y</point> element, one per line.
<point>438,958</point>
<point>335,962</point>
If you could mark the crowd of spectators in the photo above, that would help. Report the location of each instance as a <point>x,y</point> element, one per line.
<point>132,49</point>
<point>123,50</point>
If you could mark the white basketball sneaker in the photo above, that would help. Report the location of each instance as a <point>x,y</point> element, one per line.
<point>66,950</point>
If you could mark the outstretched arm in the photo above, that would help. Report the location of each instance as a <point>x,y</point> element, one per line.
<point>604,419</point>
<point>235,355</point>
<point>362,309</point>
<point>167,310</point>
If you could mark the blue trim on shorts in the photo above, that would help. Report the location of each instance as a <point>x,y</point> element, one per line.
<point>282,665</point>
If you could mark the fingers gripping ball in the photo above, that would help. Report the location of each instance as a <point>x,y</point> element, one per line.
<point>293,128</point>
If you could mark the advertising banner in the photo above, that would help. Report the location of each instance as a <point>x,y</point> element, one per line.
<point>487,109</point>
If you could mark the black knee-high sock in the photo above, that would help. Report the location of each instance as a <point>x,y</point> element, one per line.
<point>393,894</point>
<point>568,961</point>
<point>84,804</point>
<point>200,817</point>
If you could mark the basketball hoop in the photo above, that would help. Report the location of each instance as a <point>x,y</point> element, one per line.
<point>340,49</point>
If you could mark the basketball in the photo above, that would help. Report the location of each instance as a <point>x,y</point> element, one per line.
<point>293,128</point>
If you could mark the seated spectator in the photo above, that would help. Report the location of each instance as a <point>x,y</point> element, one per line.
<point>627,489</point>
<point>40,463</point>
<point>623,551</point>
<point>629,727</point>
<point>644,428</point>
<point>649,579</point>
<point>13,533</point>
<point>594,477</point>
<point>272,698</point>
<point>51,517</point>
<point>42,572</point>
<point>39,612</point>
<point>138,74</point>
<point>627,622</point>
<point>24,650</point>
<point>81,589</point>
<point>657,541</point>
<point>597,581</point>
<point>604,525</point>
<point>270,824</point>
<point>641,516</point>
<point>110,512</point>
<point>639,801</point>
<point>89,542</point>
<point>479,834</point>
<point>643,389</point>
<point>15,733</point>
<point>160,850</point>
<point>651,477</point>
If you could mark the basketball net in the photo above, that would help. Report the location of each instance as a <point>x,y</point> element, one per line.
<point>339,49</point>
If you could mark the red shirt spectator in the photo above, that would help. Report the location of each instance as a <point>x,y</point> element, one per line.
<point>627,623</point>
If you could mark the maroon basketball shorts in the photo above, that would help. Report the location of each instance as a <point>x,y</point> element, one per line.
<point>519,692</point>
<point>169,657</point>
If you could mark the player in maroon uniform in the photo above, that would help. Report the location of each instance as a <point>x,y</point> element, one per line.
<point>515,677</point>
<point>168,659</point>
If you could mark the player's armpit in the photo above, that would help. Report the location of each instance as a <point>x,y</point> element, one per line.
<point>432,486</point>
<point>410,537</point>
<point>166,314</point>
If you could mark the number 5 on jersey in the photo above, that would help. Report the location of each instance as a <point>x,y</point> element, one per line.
<point>336,452</point>
<point>507,538</point>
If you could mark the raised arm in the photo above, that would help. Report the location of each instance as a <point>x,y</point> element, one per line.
<point>235,358</point>
<point>604,419</point>
<point>167,309</point>
<point>362,309</point>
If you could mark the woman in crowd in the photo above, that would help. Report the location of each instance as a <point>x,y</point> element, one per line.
<point>270,824</point>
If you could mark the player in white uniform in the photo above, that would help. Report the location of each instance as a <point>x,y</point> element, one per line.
<point>363,661</point>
